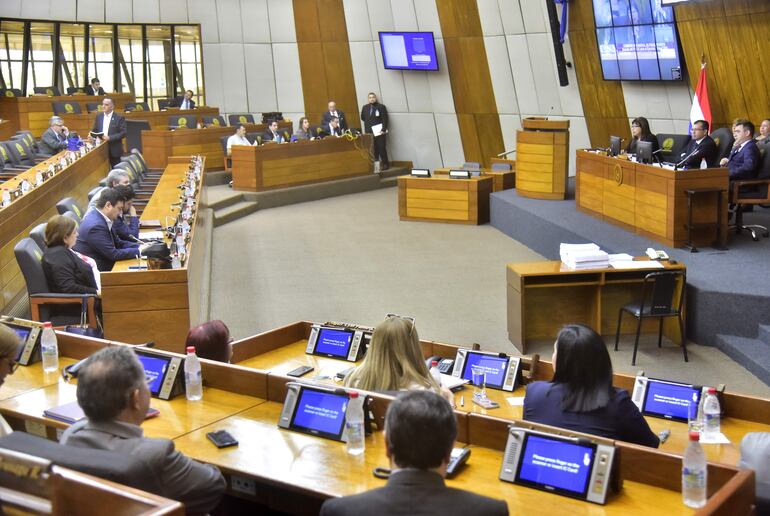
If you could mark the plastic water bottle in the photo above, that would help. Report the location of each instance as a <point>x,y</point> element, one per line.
<point>354,422</point>
<point>193,381</point>
<point>49,349</point>
<point>435,373</point>
<point>711,412</point>
<point>6,197</point>
<point>176,263</point>
<point>694,473</point>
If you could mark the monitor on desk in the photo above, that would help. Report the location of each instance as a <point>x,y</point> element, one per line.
<point>615,142</point>
<point>337,342</point>
<point>28,332</point>
<point>502,371</point>
<point>164,373</point>
<point>644,152</point>
<point>665,399</point>
<point>315,410</point>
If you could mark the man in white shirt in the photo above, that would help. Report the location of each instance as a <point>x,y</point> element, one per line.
<point>186,101</point>
<point>239,138</point>
<point>110,127</point>
<point>332,113</point>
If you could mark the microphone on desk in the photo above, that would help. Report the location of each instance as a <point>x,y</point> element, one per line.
<point>684,160</point>
<point>657,154</point>
<point>550,110</point>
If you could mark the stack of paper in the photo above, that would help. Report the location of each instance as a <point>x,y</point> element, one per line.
<point>583,256</point>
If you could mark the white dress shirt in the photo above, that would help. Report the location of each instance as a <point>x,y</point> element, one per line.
<point>106,123</point>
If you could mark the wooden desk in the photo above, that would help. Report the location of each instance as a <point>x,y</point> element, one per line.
<point>648,200</point>
<point>543,296</point>
<point>34,112</point>
<point>159,306</point>
<point>435,199</point>
<point>83,123</point>
<point>158,145</point>
<point>270,166</point>
<point>502,179</point>
<point>30,378</point>
<point>38,205</point>
<point>542,162</point>
<point>7,129</point>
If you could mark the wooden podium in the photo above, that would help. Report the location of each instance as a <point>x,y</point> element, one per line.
<point>542,158</point>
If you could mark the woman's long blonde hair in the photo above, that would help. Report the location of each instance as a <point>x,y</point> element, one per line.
<point>394,361</point>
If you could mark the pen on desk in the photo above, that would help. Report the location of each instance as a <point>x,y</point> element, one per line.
<point>462,401</point>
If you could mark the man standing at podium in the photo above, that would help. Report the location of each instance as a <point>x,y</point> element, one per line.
<point>375,118</point>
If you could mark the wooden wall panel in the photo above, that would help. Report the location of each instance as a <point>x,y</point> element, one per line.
<point>324,59</point>
<point>603,101</point>
<point>474,97</point>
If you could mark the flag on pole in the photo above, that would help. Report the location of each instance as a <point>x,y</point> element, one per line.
<point>701,107</point>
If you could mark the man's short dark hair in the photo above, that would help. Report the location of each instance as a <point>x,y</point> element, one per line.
<point>108,195</point>
<point>746,124</point>
<point>106,382</point>
<point>95,80</point>
<point>238,127</point>
<point>125,192</point>
<point>703,123</point>
<point>420,429</point>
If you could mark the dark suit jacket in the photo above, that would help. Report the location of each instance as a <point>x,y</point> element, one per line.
<point>66,273</point>
<point>370,116</point>
<point>620,419</point>
<point>707,149</point>
<point>414,492</point>
<point>269,137</point>
<point>89,90</point>
<point>744,163</point>
<point>327,117</point>
<point>126,227</point>
<point>179,101</point>
<point>104,246</point>
<point>117,132</point>
<point>631,149</point>
<point>50,142</point>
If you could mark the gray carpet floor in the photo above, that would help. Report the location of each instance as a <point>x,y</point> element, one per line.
<point>350,259</point>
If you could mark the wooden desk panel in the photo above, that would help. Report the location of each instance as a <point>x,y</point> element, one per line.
<point>270,166</point>
<point>541,158</point>
<point>436,199</point>
<point>83,123</point>
<point>34,112</point>
<point>38,205</point>
<point>30,378</point>
<point>7,129</point>
<point>502,179</point>
<point>648,200</point>
<point>288,357</point>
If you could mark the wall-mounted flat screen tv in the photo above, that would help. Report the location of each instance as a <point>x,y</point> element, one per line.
<point>408,50</point>
<point>637,40</point>
<point>671,2</point>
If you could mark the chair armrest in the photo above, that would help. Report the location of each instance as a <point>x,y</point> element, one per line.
<point>736,186</point>
<point>56,295</point>
<point>51,298</point>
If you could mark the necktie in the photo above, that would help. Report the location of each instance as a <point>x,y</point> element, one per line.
<point>371,110</point>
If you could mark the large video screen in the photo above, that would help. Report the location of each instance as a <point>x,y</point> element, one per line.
<point>408,50</point>
<point>637,40</point>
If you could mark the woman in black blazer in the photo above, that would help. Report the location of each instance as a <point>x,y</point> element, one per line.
<point>581,396</point>
<point>67,272</point>
<point>640,130</point>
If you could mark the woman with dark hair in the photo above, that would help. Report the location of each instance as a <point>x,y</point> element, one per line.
<point>67,271</point>
<point>211,340</point>
<point>640,130</point>
<point>581,396</point>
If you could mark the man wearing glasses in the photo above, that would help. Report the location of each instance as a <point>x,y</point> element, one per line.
<point>9,345</point>
<point>54,139</point>
<point>700,147</point>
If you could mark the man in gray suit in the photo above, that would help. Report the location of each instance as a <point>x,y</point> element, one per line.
<point>114,396</point>
<point>420,431</point>
<point>54,139</point>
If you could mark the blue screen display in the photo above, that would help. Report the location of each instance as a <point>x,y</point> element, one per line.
<point>493,365</point>
<point>320,412</point>
<point>333,342</point>
<point>670,400</point>
<point>557,464</point>
<point>637,40</point>
<point>408,50</point>
<point>154,371</point>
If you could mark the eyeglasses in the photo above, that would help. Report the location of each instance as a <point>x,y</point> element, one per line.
<point>404,318</point>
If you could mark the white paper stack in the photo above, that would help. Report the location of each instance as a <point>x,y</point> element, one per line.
<point>583,256</point>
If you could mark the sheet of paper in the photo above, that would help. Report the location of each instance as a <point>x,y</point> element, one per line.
<point>719,438</point>
<point>515,401</point>
<point>450,382</point>
<point>377,129</point>
<point>621,257</point>
<point>628,264</point>
<point>151,235</point>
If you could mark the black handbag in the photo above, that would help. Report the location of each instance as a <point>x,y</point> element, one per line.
<point>83,328</point>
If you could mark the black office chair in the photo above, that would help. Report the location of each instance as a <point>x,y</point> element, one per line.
<point>70,204</point>
<point>214,121</point>
<point>182,122</point>
<point>66,108</point>
<point>228,161</point>
<point>164,104</point>
<point>38,235</point>
<point>6,161</point>
<point>72,90</point>
<point>51,91</point>
<point>134,130</point>
<point>672,145</point>
<point>254,137</point>
<point>26,148</point>
<point>18,155</point>
<point>93,107</point>
<point>30,139</point>
<point>11,92</point>
<point>146,171</point>
<point>136,106</point>
<point>750,192</point>
<point>44,304</point>
<point>240,118</point>
<point>71,215</point>
<point>93,192</point>
<point>723,137</point>
<point>472,164</point>
<point>659,300</point>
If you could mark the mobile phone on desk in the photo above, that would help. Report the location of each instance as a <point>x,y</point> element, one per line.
<point>222,439</point>
<point>300,371</point>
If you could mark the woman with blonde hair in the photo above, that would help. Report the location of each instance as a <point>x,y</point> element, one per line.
<point>394,361</point>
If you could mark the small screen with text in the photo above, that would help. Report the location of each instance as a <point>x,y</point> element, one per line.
<point>670,399</point>
<point>154,371</point>
<point>553,463</point>
<point>494,366</point>
<point>322,412</point>
<point>333,342</point>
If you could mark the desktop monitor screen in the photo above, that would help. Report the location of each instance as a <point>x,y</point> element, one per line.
<point>320,413</point>
<point>644,152</point>
<point>556,465</point>
<point>615,145</point>
<point>408,51</point>
<point>154,371</point>
<point>669,400</point>
<point>333,343</point>
<point>494,365</point>
<point>23,333</point>
<point>637,40</point>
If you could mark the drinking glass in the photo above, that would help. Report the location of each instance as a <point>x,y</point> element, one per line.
<point>479,379</point>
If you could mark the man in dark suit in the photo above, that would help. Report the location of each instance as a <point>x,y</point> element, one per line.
<point>420,431</point>
<point>273,134</point>
<point>127,222</point>
<point>375,115</point>
<point>701,146</point>
<point>743,162</point>
<point>97,237</point>
<point>54,139</point>
<point>111,127</point>
<point>113,392</point>
<point>185,101</point>
<point>94,88</point>
<point>333,112</point>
